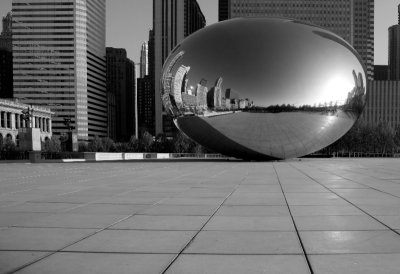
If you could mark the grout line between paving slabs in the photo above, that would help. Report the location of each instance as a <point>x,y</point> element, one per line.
<point>294,223</point>
<point>205,223</point>
<point>359,208</point>
<point>92,234</point>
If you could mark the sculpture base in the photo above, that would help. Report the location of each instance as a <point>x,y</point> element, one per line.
<point>29,139</point>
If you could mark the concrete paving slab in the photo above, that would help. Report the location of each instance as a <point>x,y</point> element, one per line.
<point>248,242</point>
<point>295,188</point>
<point>181,210</point>
<point>37,207</point>
<point>239,264</point>
<point>239,223</point>
<point>336,242</point>
<point>391,221</point>
<point>338,223</point>
<point>145,222</point>
<point>314,199</point>
<point>100,209</point>
<point>356,263</point>
<point>386,210</point>
<point>260,211</point>
<point>192,201</point>
<point>128,200</point>
<point>72,220</point>
<point>39,239</point>
<point>325,210</point>
<point>134,241</point>
<point>19,218</point>
<point>103,263</point>
<point>11,260</point>
<point>248,201</point>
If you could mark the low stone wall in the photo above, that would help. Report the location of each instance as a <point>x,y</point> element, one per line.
<point>133,156</point>
<point>111,156</point>
<point>105,156</point>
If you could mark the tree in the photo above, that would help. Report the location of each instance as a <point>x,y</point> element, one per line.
<point>385,138</point>
<point>146,142</point>
<point>96,145</point>
<point>82,147</point>
<point>183,144</point>
<point>396,138</point>
<point>162,144</point>
<point>8,145</point>
<point>52,145</point>
<point>108,144</point>
<point>133,144</point>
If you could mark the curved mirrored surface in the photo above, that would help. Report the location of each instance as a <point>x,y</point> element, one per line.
<point>264,88</point>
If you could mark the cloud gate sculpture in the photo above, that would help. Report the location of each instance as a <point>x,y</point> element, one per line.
<point>264,88</point>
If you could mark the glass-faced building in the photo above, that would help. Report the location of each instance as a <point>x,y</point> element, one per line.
<point>353,20</point>
<point>59,61</point>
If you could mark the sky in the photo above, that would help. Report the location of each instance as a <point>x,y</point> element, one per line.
<point>129,21</point>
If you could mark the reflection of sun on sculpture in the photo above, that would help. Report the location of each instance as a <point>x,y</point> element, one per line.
<point>282,101</point>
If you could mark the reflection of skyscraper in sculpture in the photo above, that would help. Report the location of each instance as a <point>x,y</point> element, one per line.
<point>189,100</point>
<point>201,93</point>
<point>178,80</point>
<point>231,94</point>
<point>214,96</point>
<point>231,99</point>
<point>167,77</point>
<point>228,103</point>
<point>243,103</point>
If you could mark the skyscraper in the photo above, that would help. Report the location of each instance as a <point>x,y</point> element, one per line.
<point>121,94</point>
<point>59,61</point>
<point>353,20</point>
<point>394,51</point>
<point>6,67</point>
<point>173,20</point>
<point>145,98</point>
<point>144,60</point>
<point>6,33</point>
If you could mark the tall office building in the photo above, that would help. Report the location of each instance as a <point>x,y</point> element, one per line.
<point>353,20</point>
<point>173,20</point>
<point>144,60</point>
<point>6,67</point>
<point>121,93</point>
<point>59,61</point>
<point>6,33</point>
<point>383,103</point>
<point>394,51</point>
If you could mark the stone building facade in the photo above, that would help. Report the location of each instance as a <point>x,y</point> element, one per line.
<point>11,119</point>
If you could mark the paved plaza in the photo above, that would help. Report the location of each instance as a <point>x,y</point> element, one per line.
<point>308,216</point>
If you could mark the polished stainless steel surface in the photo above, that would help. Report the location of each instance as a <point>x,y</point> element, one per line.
<point>264,88</point>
